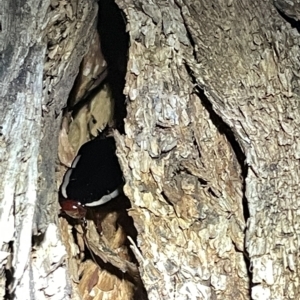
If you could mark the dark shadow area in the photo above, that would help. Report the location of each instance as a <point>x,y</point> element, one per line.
<point>9,275</point>
<point>224,128</point>
<point>240,156</point>
<point>114,44</point>
<point>293,22</point>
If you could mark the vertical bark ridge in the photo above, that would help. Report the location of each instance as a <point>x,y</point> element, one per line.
<point>181,173</point>
<point>246,62</point>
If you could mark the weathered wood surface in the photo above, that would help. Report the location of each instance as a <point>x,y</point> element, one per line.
<point>181,173</point>
<point>182,176</point>
<point>42,44</point>
<point>251,77</point>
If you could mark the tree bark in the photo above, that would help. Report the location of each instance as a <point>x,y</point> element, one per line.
<point>210,152</point>
<point>42,44</point>
<point>188,62</point>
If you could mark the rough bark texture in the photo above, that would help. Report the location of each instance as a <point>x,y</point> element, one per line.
<point>42,44</point>
<point>251,78</point>
<point>182,176</point>
<point>199,73</point>
<point>181,173</point>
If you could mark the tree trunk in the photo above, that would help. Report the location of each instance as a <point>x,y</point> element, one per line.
<point>210,153</point>
<point>41,47</point>
<point>191,62</point>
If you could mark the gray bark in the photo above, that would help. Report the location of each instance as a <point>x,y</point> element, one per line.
<point>41,48</point>
<point>198,74</point>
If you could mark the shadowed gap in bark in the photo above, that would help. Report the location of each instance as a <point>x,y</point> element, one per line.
<point>114,45</point>
<point>223,129</point>
<point>284,12</point>
<point>294,23</point>
<point>9,275</point>
<point>240,156</point>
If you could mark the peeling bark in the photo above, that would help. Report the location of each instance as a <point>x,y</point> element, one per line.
<point>42,44</point>
<point>255,91</point>
<point>208,85</point>
<point>181,173</point>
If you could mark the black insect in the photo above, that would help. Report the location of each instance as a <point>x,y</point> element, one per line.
<point>94,178</point>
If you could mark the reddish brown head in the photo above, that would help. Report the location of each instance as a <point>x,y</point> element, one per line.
<point>72,208</point>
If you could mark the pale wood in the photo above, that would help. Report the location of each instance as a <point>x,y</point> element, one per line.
<point>42,44</point>
<point>188,62</point>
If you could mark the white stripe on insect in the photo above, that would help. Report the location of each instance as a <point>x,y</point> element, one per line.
<point>106,198</point>
<point>65,183</point>
<point>75,161</point>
